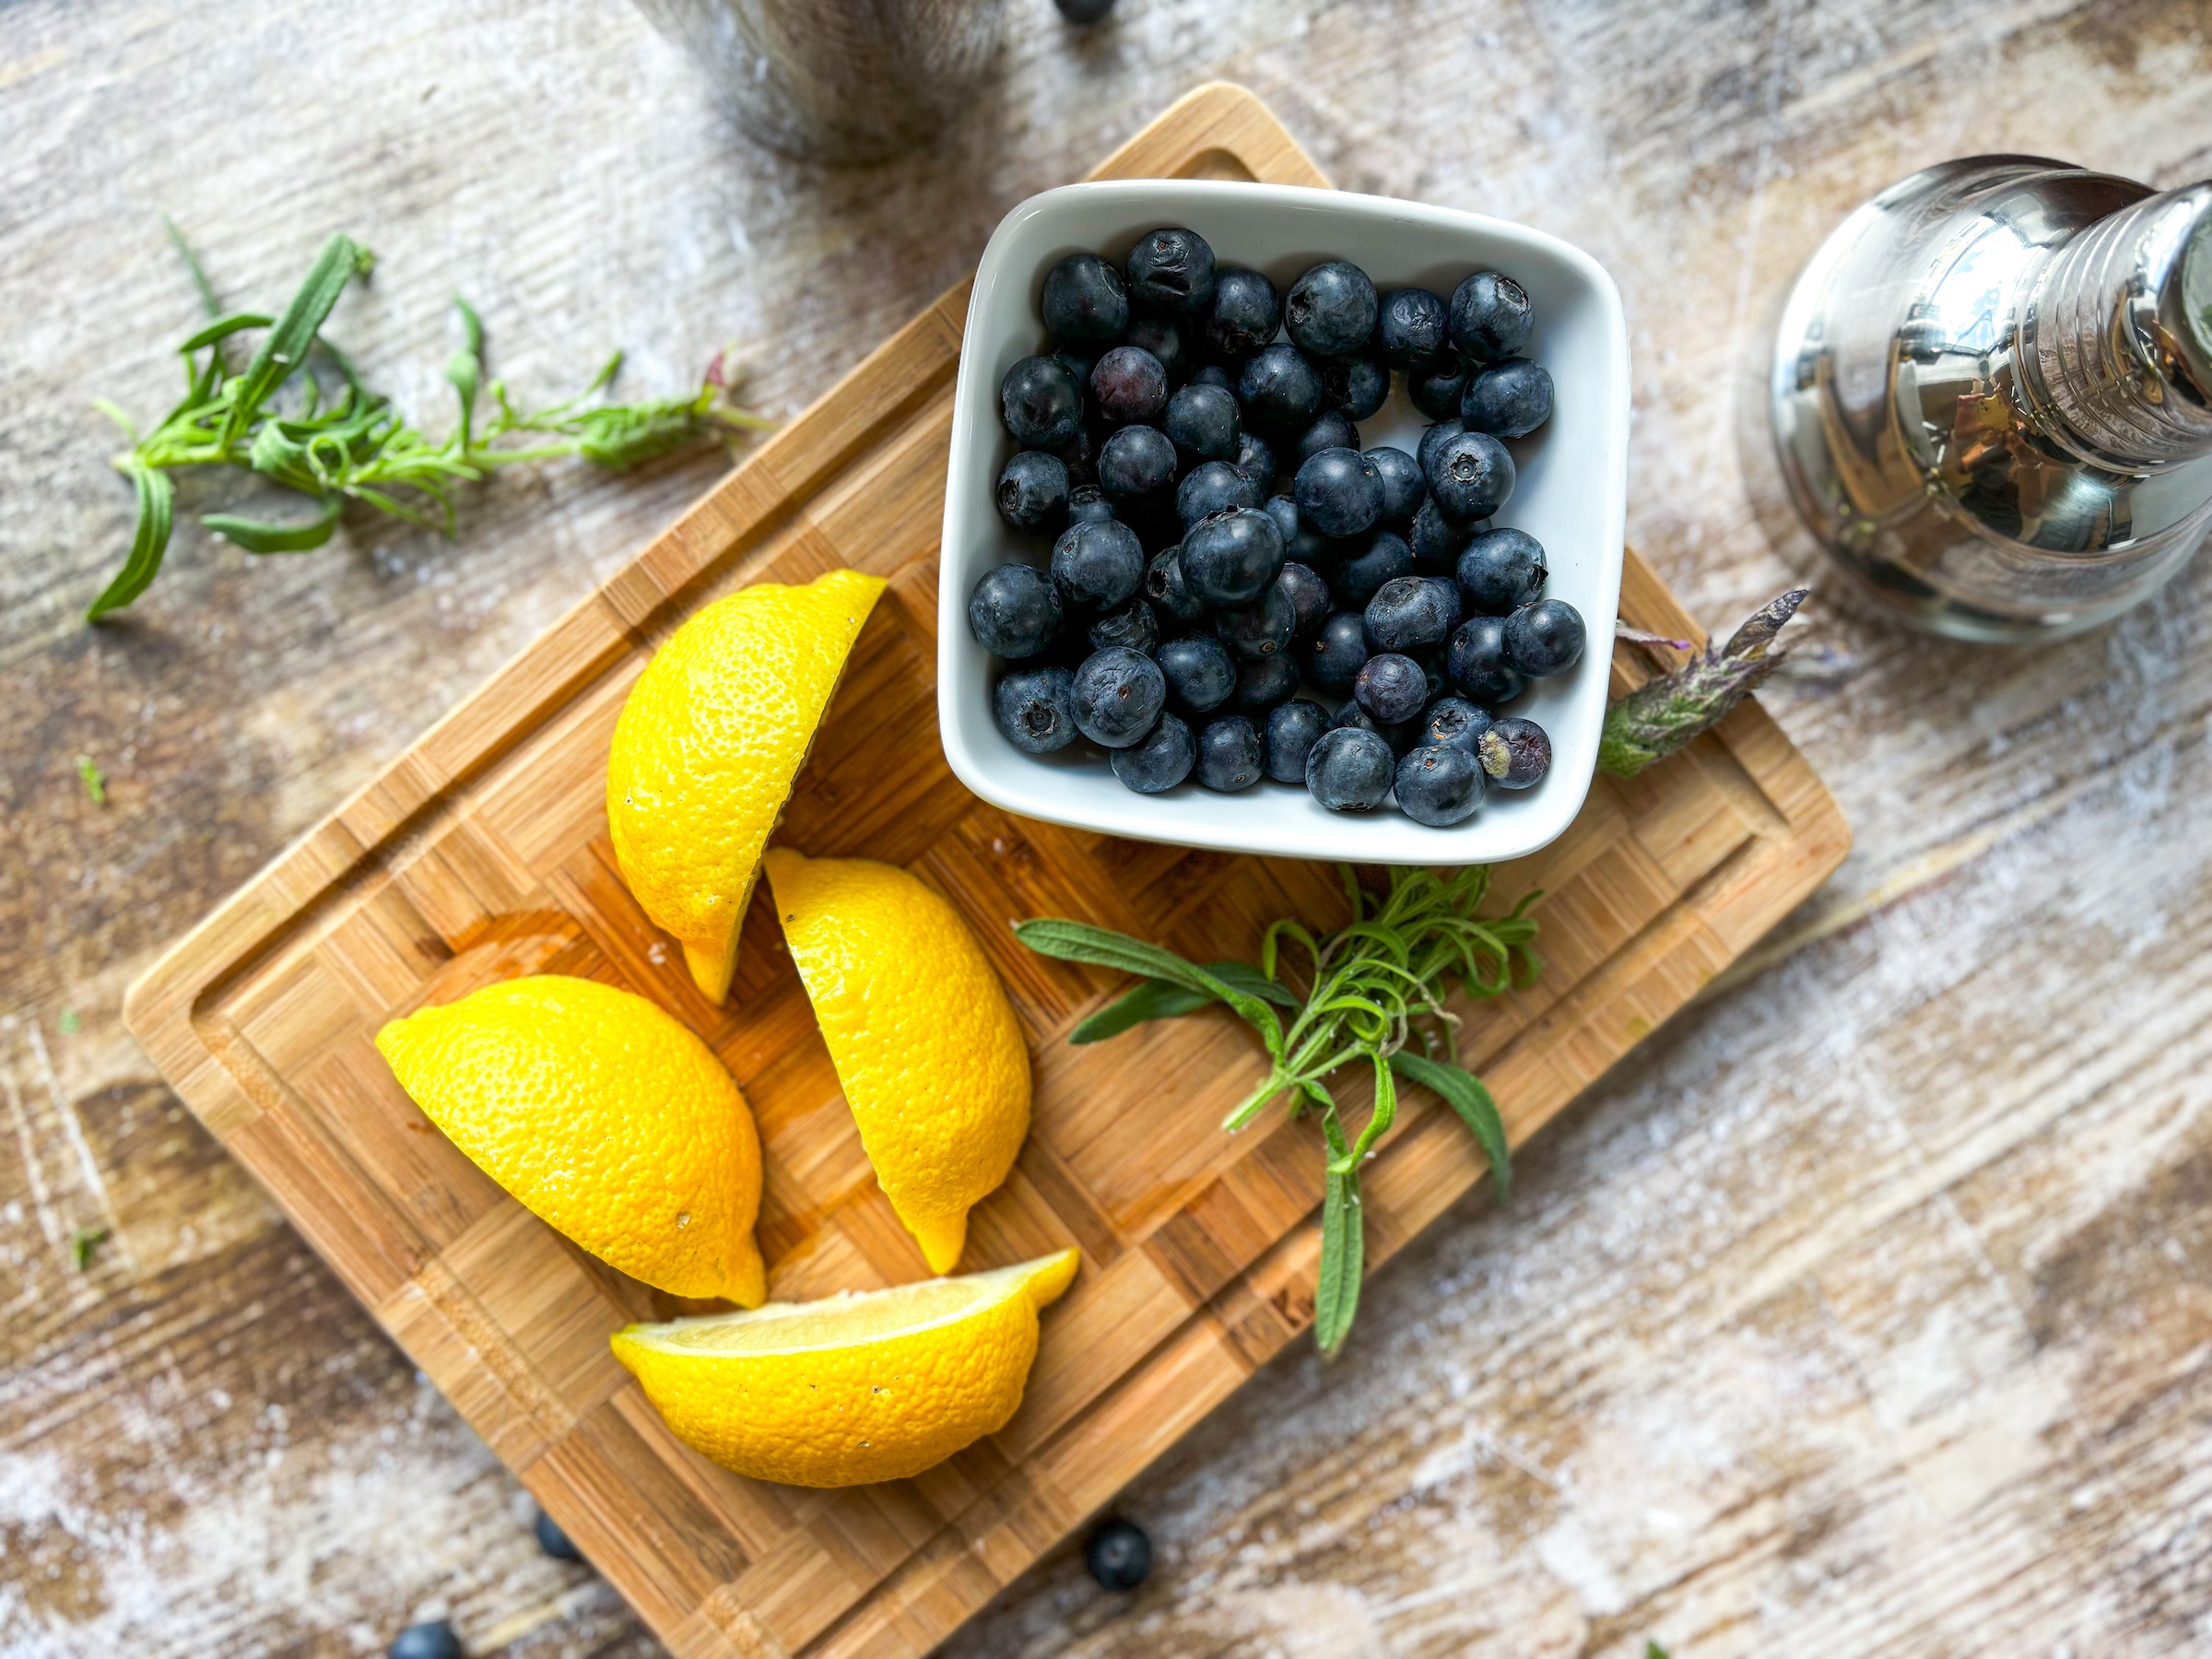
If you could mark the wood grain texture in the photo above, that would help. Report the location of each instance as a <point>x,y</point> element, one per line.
<point>482,852</point>
<point>1863,1314</point>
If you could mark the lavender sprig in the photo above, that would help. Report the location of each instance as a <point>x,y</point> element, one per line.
<point>1664,714</point>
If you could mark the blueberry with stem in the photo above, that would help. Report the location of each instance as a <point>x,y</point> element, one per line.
<point>1439,787</point>
<point>1118,694</point>
<point>1014,610</point>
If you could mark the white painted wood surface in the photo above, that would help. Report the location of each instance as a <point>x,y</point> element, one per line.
<point>1870,1313</point>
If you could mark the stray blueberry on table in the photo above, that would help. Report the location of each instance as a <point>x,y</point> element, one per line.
<point>1516,753</point>
<point>1118,1555</point>
<point>1508,400</point>
<point>1138,460</point>
<point>1404,488</point>
<point>1129,385</point>
<point>1436,390</point>
<point>1229,754</point>
<point>1351,768</point>
<point>1293,728</point>
<point>1084,300</point>
<point>1436,541</point>
<point>434,1639</point>
<point>1389,689</point>
<point>1281,391</point>
<point>1263,627</point>
<point>1229,558</point>
<point>1255,460</point>
<point>1162,759</point>
<point>1169,594</point>
<point>1545,638</point>
<point>1358,384</point>
<point>1340,492</point>
<point>1245,312</point>
<point>1308,597</point>
<point>1440,787</point>
<point>1330,430</point>
<point>1042,403</point>
<point>1491,317</point>
<point>1199,673</point>
<point>1171,271</point>
<point>1264,682</point>
<point>1470,476</point>
<point>1410,325</point>
<point>1087,503</point>
<point>1215,374</point>
<point>1032,490</point>
<point>1203,424</point>
<point>1035,708</point>
<point>1097,564</point>
<point>1084,12</point>
<point>1359,578</point>
<point>1134,625</point>
<point>552,1540</point>
<point>1412,613</point>
<point>1453,723</point>
<point>1501,572</point>
<point>1213,486</point>
<point>1015,610</point>
<point>1339,653</point>
<point>1118,694</point>
<point>1476,660</point>
<point>1331,309</point>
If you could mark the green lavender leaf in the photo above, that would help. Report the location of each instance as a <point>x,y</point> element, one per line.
<point>341,260</point>
<point>222,329</point>
<point>464,369</point>
<point>256,536</point>
<point>1466,1093</point>
<point>1080,942</point>
<point>1343,1259</point>
<point>1156,999</point>
<point>201,285</point>
<point>149,541</point>
<point>83,1243</point>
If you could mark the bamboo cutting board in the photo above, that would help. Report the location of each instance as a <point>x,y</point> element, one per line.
<point>482,853</point>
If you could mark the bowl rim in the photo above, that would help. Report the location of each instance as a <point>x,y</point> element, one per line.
<point>1265,836</point>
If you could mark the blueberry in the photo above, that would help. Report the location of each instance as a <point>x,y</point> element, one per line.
<point>1453,723</point>
<point>1228,560</point>
<point>1084,300</point>
<point>1087,504</point>
<point>1349,769</point>
<point>1118,694</point>
<point>1331,309</point>
<point>1501,572</point>
<point>433,1640</point>
<point>1515,752</point>
<point>1159,759</point>
<point>1359,578</point>
<point>1330,430</point>
<point>1199,672</point>
<point>1404,488</point>
<point>1035,708</point>
<point>1491,317</point>
<point>1301,540</point>
<point>1357,385</point>
<point>1389,689</point>
<point>1470,476</point>
<point>1169,594</point>
<point>1203,424</point>
<point>1436,390</point>
<point>1229,754</point>
<point>1281,392</point>
<point>1340,492</point>
<point>1263,682</point>
<point>1433,438</point>
<point>1167,339</point>
<point>1041,403</point>
<point>1015,610</point>
<point>1097,564</point>
<point>1436,541</point>
<point>1079,455</point>
<point>1244,315</point>
<point>1412,613</point>
<point>1138,460</point>
<point>1130,386</point>
<point>1403,735</point>
<point>1032,490</point>
<point>1263,627</point>
<point>1213,486</point>
<point>1171,271</point>
<point>1293,728</point>
<point>1134,625</point>
<point>1308,597</point>
<point>1508,400</point>
<point>1118,1555</point>
<point>1440,787</point>
<point>1256,462</point>
<point>1338,651</point>
<point>1543,638</point>
<point>1476,660</point>
<point>1215,374</point>
<point>1084,12</point>
<point>553,1541</point>
<point>1411,324</point>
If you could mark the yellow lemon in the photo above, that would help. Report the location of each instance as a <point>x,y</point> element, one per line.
<point>606,1117</point>
<point>925,1044</point>
<point>706,747</point>
<point>854,1388</point>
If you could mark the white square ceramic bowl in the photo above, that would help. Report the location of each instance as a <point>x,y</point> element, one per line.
<point>1572,496</point>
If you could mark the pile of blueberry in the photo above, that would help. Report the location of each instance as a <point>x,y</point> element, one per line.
<point>1355,633</point>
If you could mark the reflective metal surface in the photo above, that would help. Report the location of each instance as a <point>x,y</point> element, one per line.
<point>1992,395</point>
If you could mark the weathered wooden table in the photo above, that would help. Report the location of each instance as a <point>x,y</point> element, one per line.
<point>1868,1311</point>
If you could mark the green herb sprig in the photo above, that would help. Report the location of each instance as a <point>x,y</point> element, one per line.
<point>345,443</point>
<point>1364,995</point>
